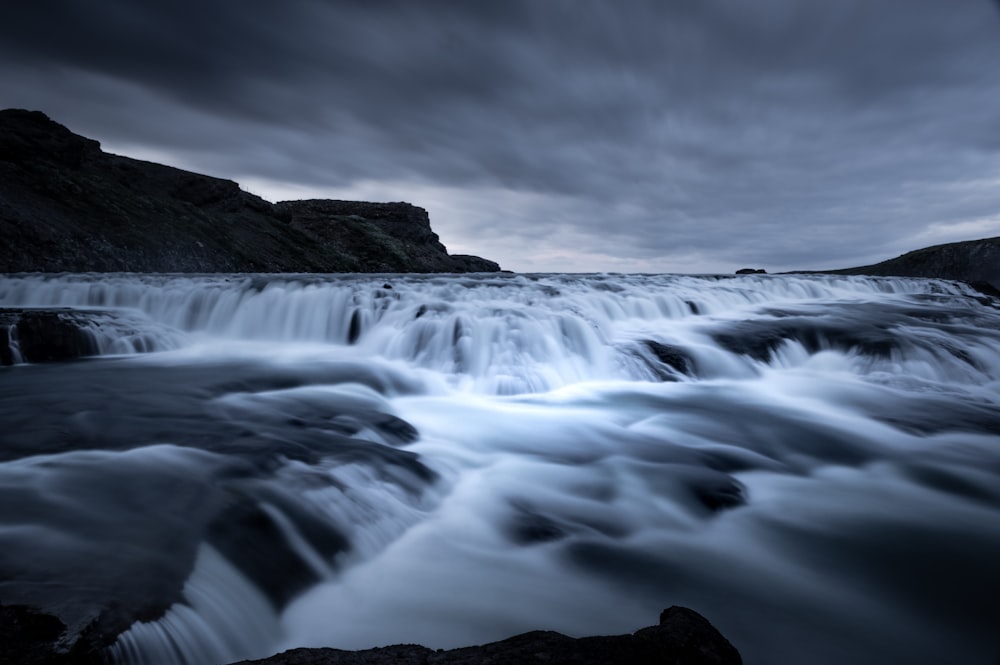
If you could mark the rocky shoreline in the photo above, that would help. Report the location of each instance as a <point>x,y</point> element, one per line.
<point>67,206</point>
<point>682,637</point>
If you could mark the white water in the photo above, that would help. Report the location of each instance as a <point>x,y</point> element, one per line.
<point>503,334</point>
<point>811,462</point>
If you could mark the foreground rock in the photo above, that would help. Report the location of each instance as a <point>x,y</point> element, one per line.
<point>970,261</point>
<point>67,206</point>
<point>31,637</point>
<point>683,637</point>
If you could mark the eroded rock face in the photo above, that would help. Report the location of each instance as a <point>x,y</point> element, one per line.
<point>66,206</point>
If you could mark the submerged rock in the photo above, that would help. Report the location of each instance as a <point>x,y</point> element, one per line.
<point>670,355</point>
<point>683,637</point>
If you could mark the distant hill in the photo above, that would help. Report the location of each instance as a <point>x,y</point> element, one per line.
<point>968,261</point>
<point>67,206</point>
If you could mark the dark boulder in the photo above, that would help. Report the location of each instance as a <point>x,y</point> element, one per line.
<point>987,289</point>
<point>43,336</point>
<point>31,637</point>
<point>751,271</point>
<point>672,356</point>
<point>716,491</point>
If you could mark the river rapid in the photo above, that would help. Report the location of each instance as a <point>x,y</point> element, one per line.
<point>812,462</point>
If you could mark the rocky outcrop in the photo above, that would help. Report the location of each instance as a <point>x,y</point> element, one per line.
<point>683,637</point>
<point>751,271</point>
<point>67,206</point>
<point>383,237</point>
<point>38,335</point>
<point>31,637</point>
<point>969,261</point>
<point>44,335</point>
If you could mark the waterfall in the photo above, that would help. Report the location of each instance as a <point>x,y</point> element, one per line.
<point>252,463</point>
<point>513,334</point>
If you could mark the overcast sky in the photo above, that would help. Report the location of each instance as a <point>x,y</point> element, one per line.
<point>557,135</point>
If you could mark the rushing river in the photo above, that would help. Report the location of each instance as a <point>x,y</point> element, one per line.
<point>812,462</point>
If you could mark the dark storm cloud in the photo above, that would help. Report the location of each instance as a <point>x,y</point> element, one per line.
<point>780,133</point>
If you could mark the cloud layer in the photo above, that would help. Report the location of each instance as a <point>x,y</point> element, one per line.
<point>691,135</point>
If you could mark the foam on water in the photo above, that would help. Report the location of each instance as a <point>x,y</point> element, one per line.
<point>494,334</point>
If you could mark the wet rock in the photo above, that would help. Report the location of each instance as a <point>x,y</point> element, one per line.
<point>274,566</point>
<point>671,356</point>
<point>985,288</point>
<point>528,526</point>
<point>683,637</point>
<point>759,339</point>
<point>29,636</point>
<point>719,492</point>
<point>990,294</point>
<point>751,271</point>
<point>44,335</point>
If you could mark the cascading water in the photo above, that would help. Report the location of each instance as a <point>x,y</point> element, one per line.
<point>812,462</point>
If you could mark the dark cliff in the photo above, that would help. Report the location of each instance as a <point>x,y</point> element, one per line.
<point>67,206</point>
<point>969,261</point>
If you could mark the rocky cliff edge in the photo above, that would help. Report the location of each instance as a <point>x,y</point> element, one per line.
<point>972,261</point>
<point>67,206</point>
